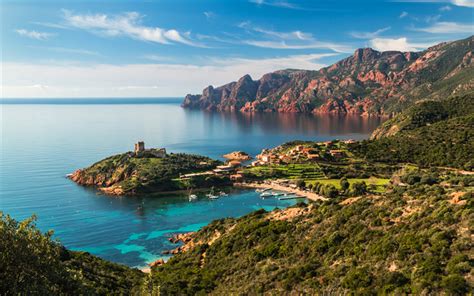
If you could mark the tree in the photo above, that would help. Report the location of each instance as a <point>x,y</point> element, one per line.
<point>32,263</point>
<point>30,260</point>
<point>344,184</point>
<point>359,188</point>
<point>455,284</point>
<point>300,183</point>
<point>329,191</point>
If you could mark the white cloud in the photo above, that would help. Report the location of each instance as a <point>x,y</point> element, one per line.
<point>447,28</point>
<point>139,80</point>
<point>209,15</point>
<point>50,25</point>
<point>282,4</point>
<point>369,35</point>
<point>400,44</point>
<point>403,14</point>
<point>308,45</point>
<point>34,34</point>
<point>287,40</point>
<point>69,50</point>
<point>445,8</point>
<point>127,24</point>
<point>293,35</point>
<point>432,18</point>
<point>464,3</point>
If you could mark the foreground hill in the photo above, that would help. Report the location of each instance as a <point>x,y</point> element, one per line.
<point>34,264</point>
<point>410,240</point>
<point>368,82</point>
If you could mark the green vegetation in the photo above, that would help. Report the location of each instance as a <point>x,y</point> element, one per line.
<point>398,221</point>
<point>324,174</point>
<point>379,184</point>
<point>34,264</point>
<point>411,238</point>
<point>289,171</point>
<point>431,134</point>
<point>408,240</point>
<point>426,113</point>
<point>137,174</point>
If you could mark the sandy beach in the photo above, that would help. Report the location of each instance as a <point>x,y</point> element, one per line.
<point>277,187</point>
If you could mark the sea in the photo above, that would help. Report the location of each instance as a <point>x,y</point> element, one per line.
<point>43,140</point>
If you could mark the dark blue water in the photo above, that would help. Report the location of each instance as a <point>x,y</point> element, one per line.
<point>42,141</point>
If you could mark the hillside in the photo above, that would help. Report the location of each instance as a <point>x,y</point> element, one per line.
<point>426,112</point>
<point>34,264</point>
<point>368,82</point>
<point>432,133</point>
<point>412,239</point>
<point>128,173</point>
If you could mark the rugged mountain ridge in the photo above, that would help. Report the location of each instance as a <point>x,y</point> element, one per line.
<point>368,83</point>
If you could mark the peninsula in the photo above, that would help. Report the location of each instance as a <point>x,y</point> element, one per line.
<point>150,171</point>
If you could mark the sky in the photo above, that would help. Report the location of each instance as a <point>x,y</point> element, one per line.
<point>161,48</point>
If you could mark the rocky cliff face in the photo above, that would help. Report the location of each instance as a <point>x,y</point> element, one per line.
<point>368,82</point>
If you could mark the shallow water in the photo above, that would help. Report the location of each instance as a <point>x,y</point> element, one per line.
<point>42,141</point>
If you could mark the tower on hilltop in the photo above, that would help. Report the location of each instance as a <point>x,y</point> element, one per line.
<point>139,146</point>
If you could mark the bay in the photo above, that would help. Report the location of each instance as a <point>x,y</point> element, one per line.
<point>45,139</point>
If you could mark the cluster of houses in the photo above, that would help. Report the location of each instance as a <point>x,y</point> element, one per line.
<point>298,153</point>
<point>230,169</point>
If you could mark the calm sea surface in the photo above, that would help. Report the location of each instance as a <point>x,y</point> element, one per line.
<point>43,140</point>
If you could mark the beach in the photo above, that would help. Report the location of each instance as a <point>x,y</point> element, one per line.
<point>309,195</point>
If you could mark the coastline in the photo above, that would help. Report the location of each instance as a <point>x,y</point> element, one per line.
<point>309,195</point>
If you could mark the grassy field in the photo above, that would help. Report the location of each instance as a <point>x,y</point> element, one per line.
<point>311,173</point>
<point>379,183</point>
<point>289,171</point>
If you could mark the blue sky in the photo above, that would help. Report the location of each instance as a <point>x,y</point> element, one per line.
<point>169,48</point>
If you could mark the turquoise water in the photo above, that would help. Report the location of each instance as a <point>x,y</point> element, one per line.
<point>42,141</point>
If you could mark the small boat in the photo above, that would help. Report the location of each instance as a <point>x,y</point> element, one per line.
<point>192,197</point>
<point>222,193</point>
<point>266,194</point>
<point>260,190</point>
<point>212,196</point>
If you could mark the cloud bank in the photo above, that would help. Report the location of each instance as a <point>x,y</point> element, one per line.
<point>139,80</point>
<point>399,44</point>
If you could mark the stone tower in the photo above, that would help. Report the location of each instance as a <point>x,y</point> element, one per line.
<point>139,147</point>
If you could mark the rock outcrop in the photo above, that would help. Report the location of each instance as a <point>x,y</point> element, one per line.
<point>237,155</point>
<point>368,83</point>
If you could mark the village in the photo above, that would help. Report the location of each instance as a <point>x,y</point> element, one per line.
<point>240,168</point>
<point>292,170</point>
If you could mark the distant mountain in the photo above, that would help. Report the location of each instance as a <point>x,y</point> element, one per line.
<point>368,82</point>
